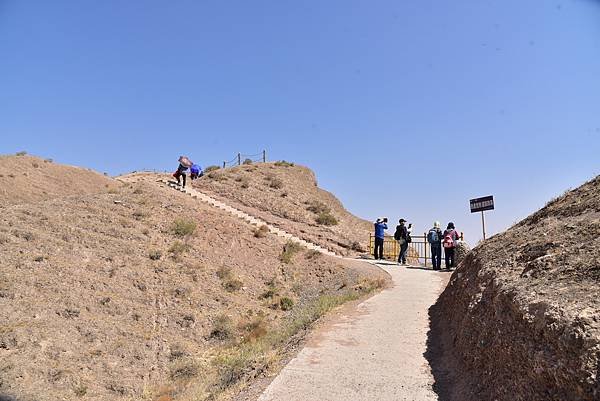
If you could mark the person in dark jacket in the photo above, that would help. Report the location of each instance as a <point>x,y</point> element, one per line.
<point>434,237</point>
<point>449,243</point>
<point>380,227</point>
<point>401,235</point>
<point>180,173</point>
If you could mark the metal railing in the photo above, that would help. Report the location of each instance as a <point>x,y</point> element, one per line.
<point>419,249</point>
<point>241,158</point>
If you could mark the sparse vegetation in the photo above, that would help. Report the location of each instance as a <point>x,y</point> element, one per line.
<point>183,227</point>
<point>245,183</point>
<point>178,248</point>
<point>48,161</point>
<point>283,163</point>
<point>252,356</point>
<point>326,219</point>
<point>261,231</point>
<point>286,303</point>
<point>275,183</point>
<point>184,370</point>
<point>217,176</point>
<point>21,153</point>
<point>313,254</point>
<point>211,168</point>
<point>35,165</point>
<point>254,328</point>
<point>139,215</point>
<point>224,272</point>
<point>317,207</point>
<point>222,328</point>
<point>233,285</point>
<point>289,250</point>
<point>80,390</point>
<point>155,255</point>
<point>247,161</point>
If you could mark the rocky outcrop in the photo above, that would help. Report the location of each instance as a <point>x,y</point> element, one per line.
<point>521,313</point>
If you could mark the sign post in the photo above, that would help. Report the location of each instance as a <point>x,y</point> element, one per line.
<point>481,205</point>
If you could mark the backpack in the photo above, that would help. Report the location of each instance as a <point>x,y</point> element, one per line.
<point>433,237</point>
<point>195,169</point>
<point>449,239</point>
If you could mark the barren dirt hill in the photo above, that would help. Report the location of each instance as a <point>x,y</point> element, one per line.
<point>522,313</point>
<point>143,293</point>
<point>287,196</point>
<point>26,179</point>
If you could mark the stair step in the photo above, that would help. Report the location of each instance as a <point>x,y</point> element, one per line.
<point>247,217</point>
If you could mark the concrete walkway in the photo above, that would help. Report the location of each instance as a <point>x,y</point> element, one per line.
<point>374,352</point>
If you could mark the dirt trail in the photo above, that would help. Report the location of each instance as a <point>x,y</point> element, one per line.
<point>373,352</point>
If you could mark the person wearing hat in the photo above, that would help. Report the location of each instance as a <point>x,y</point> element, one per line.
<point>401,235</point>
<point>380,227</point>
<point>434,237</point>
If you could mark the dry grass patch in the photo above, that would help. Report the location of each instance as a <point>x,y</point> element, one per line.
<point>290,249</point>
<point>178,248</point>
<point>326,219</point>
<point>210,169</point>
<point>283,163</point>
<point>261,231</point>
<point>183,227</point>
<point>222,328</point>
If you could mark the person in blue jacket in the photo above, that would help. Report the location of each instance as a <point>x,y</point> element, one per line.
<point>380,227</point>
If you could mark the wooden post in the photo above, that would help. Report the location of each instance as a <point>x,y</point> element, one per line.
<point>239,159</point>
<point>264,156</point>
<point>224,164</point>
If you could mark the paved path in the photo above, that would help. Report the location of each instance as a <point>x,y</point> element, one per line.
<point>372,353</point>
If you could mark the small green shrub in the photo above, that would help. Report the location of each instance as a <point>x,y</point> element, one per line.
<point>155,254</point>
<point>211,168</point>
<point>286,303</point>
<point>326,219</point>
<point>289,250</point>
<point>183,227</point>
<point>247,161</point>
<point>21,153</point>
<point>283,163</point>
<point>222,328</point>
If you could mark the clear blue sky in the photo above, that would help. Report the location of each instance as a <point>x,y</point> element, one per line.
<point>403,108</point>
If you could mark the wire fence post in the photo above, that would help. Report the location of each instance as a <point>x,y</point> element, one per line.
<point>264,156</point>
<point>239,159</point>
<point>224,163</point>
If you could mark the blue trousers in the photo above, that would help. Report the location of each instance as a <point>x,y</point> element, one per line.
<point>436,256</point>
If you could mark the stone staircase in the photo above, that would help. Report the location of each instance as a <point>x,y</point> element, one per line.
<point>246,217</point>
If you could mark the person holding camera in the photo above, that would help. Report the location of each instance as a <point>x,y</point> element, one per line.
<point>402,235</point>
<point>380,227</point>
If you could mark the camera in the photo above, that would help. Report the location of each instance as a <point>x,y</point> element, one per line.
<point>385,220</point>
